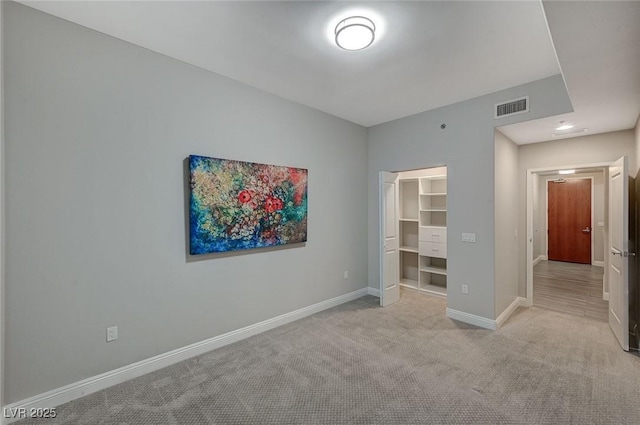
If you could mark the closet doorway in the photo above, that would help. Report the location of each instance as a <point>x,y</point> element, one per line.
<point>413,229</point>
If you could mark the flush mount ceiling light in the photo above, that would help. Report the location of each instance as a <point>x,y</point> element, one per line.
<point>570,132</point>
<point>355,33</point>
<point>564,126</point>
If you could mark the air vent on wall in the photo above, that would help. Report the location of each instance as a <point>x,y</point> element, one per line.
<point>512,107</point>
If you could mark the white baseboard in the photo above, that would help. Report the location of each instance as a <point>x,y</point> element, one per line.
<point>540,258</point>
<point>483,322</point>
<point>504,316</point>
<point>471,319</point>
<point>373,291</point>
<point>605,296</point>
<point>597,263</point>
<point>88,386</point>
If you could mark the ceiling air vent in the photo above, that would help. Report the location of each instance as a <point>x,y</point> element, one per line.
<point>512,107</point>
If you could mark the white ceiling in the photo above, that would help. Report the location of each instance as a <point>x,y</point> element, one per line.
<point>598,47</point>
<point>426,55</point>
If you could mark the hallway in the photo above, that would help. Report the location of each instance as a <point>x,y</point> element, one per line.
<point>570,288</point>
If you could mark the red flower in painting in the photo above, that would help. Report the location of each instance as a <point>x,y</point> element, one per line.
<point>244,196</point>
<point>296,176</point>
<point>273,204</point>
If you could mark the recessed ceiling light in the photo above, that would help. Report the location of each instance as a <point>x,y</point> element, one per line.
<point>566,171</point>
<point>568,133</point>
<point>355,33</point>
<point>564,126</point>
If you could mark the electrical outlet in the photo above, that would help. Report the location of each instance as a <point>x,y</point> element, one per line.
<point>346,274</point>
<point>465,289</point>
<point>112,333</point>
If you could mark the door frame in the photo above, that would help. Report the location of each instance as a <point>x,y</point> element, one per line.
<point>546,216</point>
<point>529,241</point>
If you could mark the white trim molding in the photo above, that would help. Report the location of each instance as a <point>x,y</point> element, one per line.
<point>91,385</point>
<point>605,296</point>
<point>504,316</point>
<point>471,319</point>
<point>540,258</point>
<point>483,322</point>
<point>374,291</point>
<point>597,263</point>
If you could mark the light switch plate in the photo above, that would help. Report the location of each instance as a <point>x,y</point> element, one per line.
<point>601,224</point>
<point>469,237</point>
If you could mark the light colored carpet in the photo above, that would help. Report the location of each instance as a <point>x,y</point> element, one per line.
<point>404,364</point>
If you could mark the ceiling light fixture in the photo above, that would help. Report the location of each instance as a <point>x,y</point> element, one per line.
<point>355,33</point>
<point>570,132</point>
<point>566,171</point>
<point>564,126</point>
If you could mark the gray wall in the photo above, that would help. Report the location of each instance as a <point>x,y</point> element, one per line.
<point>506,222</point>
<point>597,148</point>
<point>466,147</point>
<point>97,131</point>
<point>2,206</point>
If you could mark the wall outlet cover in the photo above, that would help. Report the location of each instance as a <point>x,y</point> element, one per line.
<point>112,333</point>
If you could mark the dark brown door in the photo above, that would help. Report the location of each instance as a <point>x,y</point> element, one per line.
<point>570,220</point>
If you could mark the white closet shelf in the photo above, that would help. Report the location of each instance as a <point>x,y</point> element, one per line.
<point>408,249</point>
<point>434,210</point>
<point>434,194</point>
<point>432,269</point>
<point>409,282</point>
<point>435,289</point>
<point>413,220</point>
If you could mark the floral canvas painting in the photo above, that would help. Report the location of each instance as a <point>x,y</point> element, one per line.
<point>238,205</point>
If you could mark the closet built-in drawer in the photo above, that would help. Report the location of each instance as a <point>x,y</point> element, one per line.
<point>432,234</point>
<point>433,249</point>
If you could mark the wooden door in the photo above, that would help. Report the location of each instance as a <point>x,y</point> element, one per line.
<point>618,251</point>
<point>569,217</point>
<point>389,234</point>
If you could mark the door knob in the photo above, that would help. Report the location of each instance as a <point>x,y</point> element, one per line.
<point>586,230</point>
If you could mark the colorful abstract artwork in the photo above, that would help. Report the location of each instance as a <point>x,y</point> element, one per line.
<point>238,205</point>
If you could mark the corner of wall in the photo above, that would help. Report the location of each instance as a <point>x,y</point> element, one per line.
<point>506,223</point>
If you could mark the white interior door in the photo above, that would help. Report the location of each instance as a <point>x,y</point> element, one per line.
<point>389,236</point>
<point>619,251</point>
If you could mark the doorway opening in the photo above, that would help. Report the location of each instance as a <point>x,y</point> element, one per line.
<point>413,225</point>
<point>566,221</point>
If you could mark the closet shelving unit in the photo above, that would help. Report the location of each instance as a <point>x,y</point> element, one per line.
<point>423,233</point>
<point>409,223</point>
